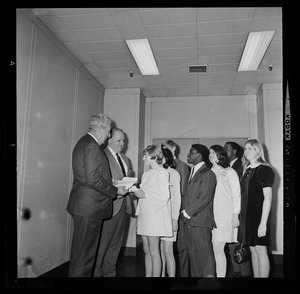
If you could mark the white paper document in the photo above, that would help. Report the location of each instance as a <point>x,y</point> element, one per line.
<point>127,182</point>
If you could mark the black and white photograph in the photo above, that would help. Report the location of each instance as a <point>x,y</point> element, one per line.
<point>151,148</point>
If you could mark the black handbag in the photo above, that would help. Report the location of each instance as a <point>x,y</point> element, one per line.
<point>241,253</point>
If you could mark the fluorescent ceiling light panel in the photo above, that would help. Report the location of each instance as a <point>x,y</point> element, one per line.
<point>143,56</point>
<point>255,49</point>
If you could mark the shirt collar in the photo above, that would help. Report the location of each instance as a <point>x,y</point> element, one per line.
<point>112,151</point>
<point>197,166</point>
<point>233,161</point>
<point>93,137</point>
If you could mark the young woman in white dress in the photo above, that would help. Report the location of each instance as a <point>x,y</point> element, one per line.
<point>154,209</point>
<point>226,207</point>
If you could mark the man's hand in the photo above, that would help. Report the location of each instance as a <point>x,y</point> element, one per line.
<point>185,220</point>
<point>122,190</point>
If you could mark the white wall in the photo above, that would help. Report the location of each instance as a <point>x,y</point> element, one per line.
<point>55,98</point>
<point>195,117</point>
<point>126,107</point>
<point>271,100</point>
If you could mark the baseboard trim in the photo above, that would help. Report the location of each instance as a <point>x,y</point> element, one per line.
<point>128,251</point>
<point>59,271</point>
<point>62,270</point>
<point>277,258</point>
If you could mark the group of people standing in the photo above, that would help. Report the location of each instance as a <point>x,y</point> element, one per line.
<point>226,199</point>
<point>219,198</point>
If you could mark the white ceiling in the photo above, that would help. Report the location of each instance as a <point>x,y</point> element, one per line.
<point>179,37</point>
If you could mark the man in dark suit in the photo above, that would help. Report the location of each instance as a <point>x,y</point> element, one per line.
<point>91,196</point>
<point>113,227</point>
<point>235,152</point>
<point>184,171</point>
<point>197,214</point>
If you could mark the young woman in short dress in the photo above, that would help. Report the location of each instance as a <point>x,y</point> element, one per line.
<point>226,207</point>
<point>154,209</point>
<point>256,199</point>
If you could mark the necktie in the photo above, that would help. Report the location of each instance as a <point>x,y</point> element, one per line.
<point>191,175</point>
<point>128,203</point>
<point>121,164</point>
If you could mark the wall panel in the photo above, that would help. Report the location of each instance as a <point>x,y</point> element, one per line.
<point>199,117</point>
<point>55,99</point>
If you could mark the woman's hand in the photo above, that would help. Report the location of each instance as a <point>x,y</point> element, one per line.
<point>262,229</point>
<point>139,193</point>
<point>175,225</point>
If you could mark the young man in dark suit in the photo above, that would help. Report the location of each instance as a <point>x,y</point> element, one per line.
<point>113,227</point>
<point>91,196</point>
<point>235,270</point>
<point>197,214</point>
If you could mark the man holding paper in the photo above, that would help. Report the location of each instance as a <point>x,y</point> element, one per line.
<point>113,227</point>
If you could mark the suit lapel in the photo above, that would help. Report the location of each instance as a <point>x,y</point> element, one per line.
<point>128,199</point>
<point>114,162</point>
<point>198,173</point>
<point>125,159</point>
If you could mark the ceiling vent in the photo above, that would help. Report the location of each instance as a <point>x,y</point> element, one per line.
<point>197,68</point>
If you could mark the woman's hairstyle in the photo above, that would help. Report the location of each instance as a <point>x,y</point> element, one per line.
<point>258,147</point>
<point>99,121</point>
<point>245,163</point>
<point>223,159</point>
<point>154,152</point>
<point>170,143</point>
<point>170,162</point>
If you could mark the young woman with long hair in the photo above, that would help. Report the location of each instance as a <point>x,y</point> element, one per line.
<point>256,200</point>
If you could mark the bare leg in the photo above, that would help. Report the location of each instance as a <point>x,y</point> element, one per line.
<point>148,261</point>
<point>220,257</point>
<point>263,261</point>
<point>170,259</point>
<point>154,249</point>
<point>163,259</point>
<point>254,260</point>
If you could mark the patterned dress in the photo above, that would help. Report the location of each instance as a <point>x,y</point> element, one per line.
<point>153,212</point>
<point>252,184</point>
<point>227,201</point>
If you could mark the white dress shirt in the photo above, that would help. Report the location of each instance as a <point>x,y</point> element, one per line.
<point>233,161</point>
<point>115,156</point>
<point>93,137</point>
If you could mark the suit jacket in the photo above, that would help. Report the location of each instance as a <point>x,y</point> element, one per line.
<point>184,171</point>
<point>116,173</point>
<point>199,198</point>
<point>237,166</point>
<point>93,192</point>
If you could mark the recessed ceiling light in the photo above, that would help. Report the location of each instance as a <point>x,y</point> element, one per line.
<point>255,49</point>
<point>143,56</point>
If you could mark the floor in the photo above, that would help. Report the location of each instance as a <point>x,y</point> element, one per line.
<point>133,266</point>
<point>131,275</point>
